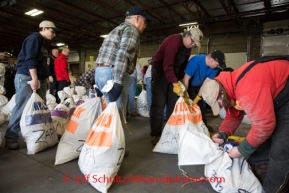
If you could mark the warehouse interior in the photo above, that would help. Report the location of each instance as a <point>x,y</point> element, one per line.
<point>233,26</point>
<point>242,29</point>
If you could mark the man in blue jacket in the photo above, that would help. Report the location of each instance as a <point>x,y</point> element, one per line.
<point>32,67</point>
<point>200,69</point>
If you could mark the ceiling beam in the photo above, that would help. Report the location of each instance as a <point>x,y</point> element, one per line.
<point>229,12</point>
<point>267,5</point>
<point>85,12</point>
<point>202,7</point>
<point>108,7</point>
<point>169,7</point>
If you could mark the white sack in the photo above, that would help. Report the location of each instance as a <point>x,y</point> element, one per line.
<point>169,141</point>
<point>36,125</point>
<point>76,131</point>
<point>104,148</point>
<point>7,109</point>
<point>228,175</point>
<point>142,104</point>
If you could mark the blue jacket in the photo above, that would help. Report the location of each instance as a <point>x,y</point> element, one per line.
<point>33,54</point>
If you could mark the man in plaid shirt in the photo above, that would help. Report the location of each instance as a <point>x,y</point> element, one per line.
<point>87,79</point>
<point>117,56</point>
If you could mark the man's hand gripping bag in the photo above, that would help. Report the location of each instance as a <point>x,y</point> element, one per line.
<point>169,141</point>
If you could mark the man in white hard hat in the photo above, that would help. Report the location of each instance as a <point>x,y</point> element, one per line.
<point>31,66</point>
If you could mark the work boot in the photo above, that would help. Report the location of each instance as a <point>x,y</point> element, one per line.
<point>155,140</point>
<point>12,145</point>
<point>134,114</point>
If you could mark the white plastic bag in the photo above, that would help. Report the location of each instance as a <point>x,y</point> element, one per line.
<point>229,175</point>
<point>104,148</point>
<point>169,141</point>
<point>80,96</point>
<point>3,101</point>
<point>60,117</point>
<point>76,131</point>
<point>50,101</point>
<point>36,125</point>
<point>61,113</point>
<point>195,147</point>
<point>142,104</point>
<point>7,109</point>
<point>3,118</point>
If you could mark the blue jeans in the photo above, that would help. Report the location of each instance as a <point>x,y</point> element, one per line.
<point>102,75</point>
<point>23,94</point>
<point>131,95</point>
<point>149,92</point>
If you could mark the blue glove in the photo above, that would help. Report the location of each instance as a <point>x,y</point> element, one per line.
<point>114,93</point>
<point>98,92</point>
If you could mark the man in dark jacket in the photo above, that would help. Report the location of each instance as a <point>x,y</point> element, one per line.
<point>168,67</point>
<point>32,67</point>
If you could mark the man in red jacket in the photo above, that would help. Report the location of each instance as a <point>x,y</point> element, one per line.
<point>260,89</point>
<point>61,72</point>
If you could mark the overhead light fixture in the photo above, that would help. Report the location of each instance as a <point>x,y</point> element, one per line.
<point>60,44</point>
<point>185,24</point>
<point>103,36</point>
<point>34,12</point>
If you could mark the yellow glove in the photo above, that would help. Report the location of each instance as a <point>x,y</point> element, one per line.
<point>186,98</point>
<point>197,99</point>
<point>177,89</point>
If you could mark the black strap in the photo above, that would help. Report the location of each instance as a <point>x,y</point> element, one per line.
<point>260,60</point>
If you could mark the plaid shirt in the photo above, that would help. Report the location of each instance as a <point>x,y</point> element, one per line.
<point>87,79</point>
<point>120,49</point>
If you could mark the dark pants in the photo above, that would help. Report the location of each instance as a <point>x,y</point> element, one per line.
<point>193,91</point>
<point>59,86</point>
<point>52,88</point>
<point>275,151</point>
<point>162,94</point>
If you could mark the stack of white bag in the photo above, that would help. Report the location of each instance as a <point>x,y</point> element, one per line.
<point>50,101</point>
<point>3,102</point>
<point>77,129</point>
<point>142,104</point>
<point>36,125</point>
<point>80,96</point>
<point>225,175</point>
<point>7,109</point>
<point>103,150</point>
<point>169,141</point>
<point>61,114</point>
<point>69,102</point>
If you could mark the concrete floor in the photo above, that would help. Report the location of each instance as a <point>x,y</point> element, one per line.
<point>36,173</point>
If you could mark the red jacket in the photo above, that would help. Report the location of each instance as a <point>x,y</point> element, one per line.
<point>254,93</point>
<point>61,68</point>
